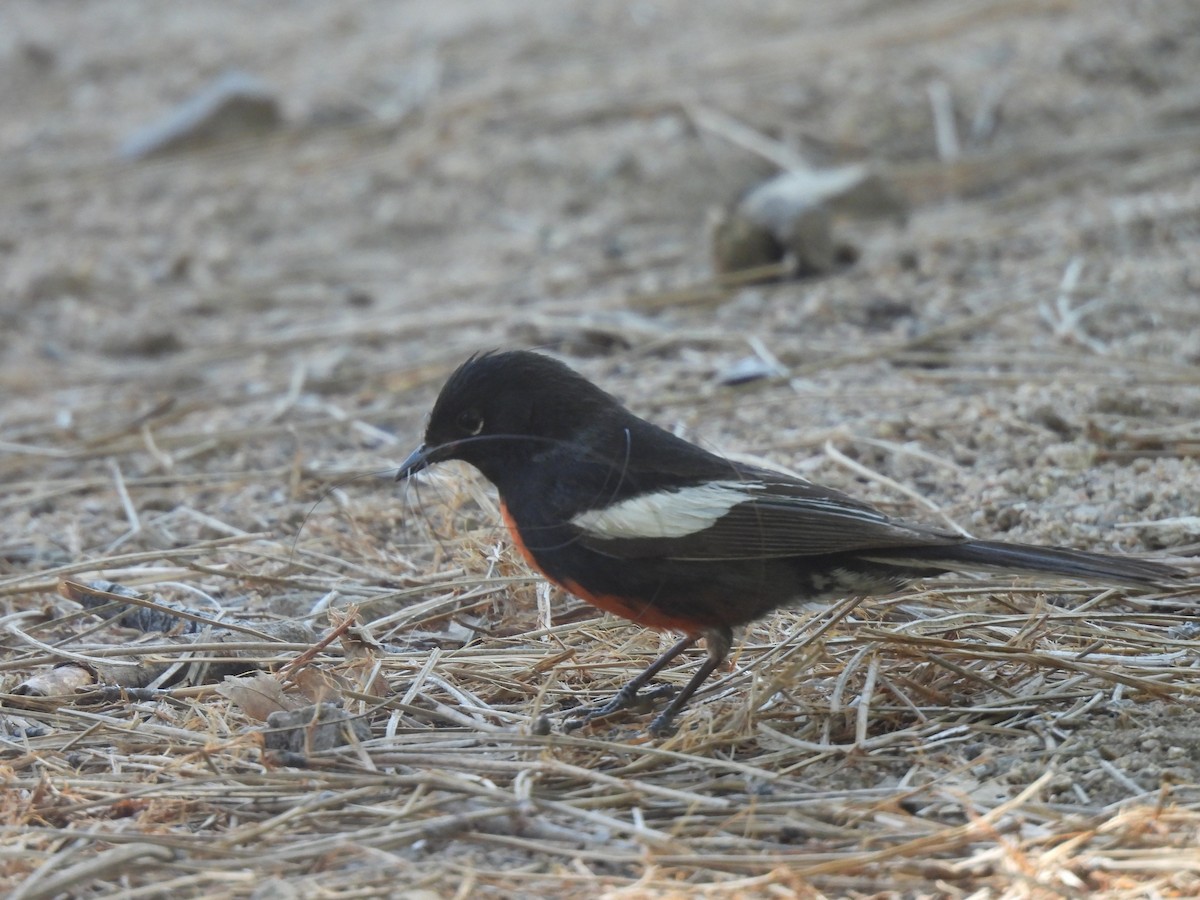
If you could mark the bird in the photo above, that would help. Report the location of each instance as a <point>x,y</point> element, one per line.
<point>646,525</point>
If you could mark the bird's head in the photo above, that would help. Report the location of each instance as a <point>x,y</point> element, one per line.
<point>499,411</point>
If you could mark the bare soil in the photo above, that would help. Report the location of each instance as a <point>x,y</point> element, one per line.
<point>210,360</point>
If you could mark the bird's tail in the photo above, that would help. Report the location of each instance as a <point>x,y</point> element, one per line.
<point>997,556</point>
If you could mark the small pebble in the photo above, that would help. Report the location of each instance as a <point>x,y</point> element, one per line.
<point>747,369</point>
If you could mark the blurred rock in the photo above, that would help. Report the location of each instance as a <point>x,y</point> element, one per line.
<point>39,57</point>
<point>150,344</point>
<point>57,282</point>
<point>792,215</point>
<point>856,192</point>
<point>235,105</point>
<point>739,244</point>
<point>313,729</point>
<point>65,680</point>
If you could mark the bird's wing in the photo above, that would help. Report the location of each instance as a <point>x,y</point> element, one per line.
<point>758,515</point>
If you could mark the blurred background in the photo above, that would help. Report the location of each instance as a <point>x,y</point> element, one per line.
<point>954,245</point>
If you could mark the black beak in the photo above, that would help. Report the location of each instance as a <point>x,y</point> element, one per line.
<point>419,459</point>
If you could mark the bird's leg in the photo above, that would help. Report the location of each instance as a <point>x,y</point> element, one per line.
<point>627,696</point>
<point>717,640</point>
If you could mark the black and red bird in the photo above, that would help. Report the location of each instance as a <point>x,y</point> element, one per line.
<point>645,525</point>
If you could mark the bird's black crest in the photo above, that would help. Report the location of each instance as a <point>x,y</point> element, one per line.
<point>483,374</point>
<point>519,381</point>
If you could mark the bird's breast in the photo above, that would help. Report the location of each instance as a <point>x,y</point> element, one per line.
<point>518,540</point>
<point>641,610</point>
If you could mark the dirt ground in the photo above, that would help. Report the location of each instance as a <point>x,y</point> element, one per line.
<point>200,349</point>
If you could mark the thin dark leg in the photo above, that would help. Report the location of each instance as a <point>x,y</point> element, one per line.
<point>628,695</point>
<point>718,643</point>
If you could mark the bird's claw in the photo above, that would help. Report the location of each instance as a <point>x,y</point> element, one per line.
<point>626,699</point>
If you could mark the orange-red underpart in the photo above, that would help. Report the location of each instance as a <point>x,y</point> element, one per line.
<point>635,610</point>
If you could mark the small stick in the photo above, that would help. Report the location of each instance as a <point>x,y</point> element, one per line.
<point>945,132</point>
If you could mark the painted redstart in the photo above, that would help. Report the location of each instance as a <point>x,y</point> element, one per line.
<point>645,525</point>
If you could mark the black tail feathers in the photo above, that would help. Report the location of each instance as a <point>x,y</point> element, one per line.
<point>1013,558</point>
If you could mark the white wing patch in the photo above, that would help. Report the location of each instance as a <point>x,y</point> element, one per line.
<point>667,514</point>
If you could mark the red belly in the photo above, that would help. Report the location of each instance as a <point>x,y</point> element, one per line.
<point>640,611</point>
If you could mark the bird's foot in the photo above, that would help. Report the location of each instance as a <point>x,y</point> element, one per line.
<point>663,725</point>
<point>626,698</point>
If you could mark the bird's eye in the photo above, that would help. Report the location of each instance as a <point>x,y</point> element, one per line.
<point>470,421</point>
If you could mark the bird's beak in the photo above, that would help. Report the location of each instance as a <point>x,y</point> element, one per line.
<point>419,459</point>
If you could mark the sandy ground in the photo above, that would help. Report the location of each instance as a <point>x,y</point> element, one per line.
<point>195,348</point>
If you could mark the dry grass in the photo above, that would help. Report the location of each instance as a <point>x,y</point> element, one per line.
<point>211,363</point>
<point>884,752</point>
